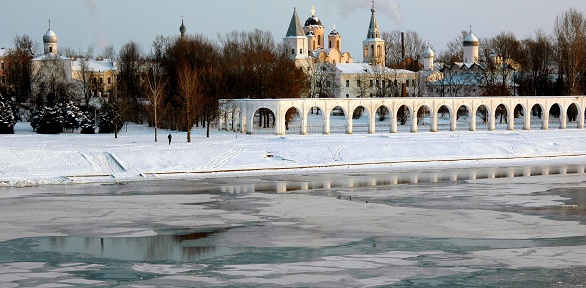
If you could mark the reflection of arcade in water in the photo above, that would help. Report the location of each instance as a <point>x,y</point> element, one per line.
<point>327,181</point>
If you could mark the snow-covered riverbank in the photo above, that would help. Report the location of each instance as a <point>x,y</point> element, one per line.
<point>28,158</point>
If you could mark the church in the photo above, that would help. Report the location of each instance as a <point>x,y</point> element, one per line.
<point>52,67</point>
<point>345,78</point>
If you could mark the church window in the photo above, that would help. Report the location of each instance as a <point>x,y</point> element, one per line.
<point>318,39</point>
<point>378,51</point>
<point>365,51</point>
<point>2,66</point>
<point>50,49</point>
<point>3,79</point>
<point>313,44</point>
<point>371,83</point>
<point>358,82</point>
<point>109,80</point>
<point>347,83</point>
<point>347,95</point>
<point>372,50</point>
<point>292,51</point>
<point>395,82</point>
<point>338,44</point>
<point>300,51</point>
<point>330,44</point>
<point>407,82</point>
<point>101,80</point>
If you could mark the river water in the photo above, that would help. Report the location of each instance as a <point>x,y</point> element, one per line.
<point>478,227</point>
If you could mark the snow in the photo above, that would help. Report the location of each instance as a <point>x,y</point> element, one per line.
<point>33,159</point>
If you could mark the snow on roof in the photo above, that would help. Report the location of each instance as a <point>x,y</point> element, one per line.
<point>93,65</point>
<point>50,56</point>
<point>3,51</point>
<point>356,68</point>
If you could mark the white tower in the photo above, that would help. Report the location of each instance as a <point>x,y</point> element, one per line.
<point>50,41</point>
<point>374,46</point>
<point>428,57</point>
<point>470,48</point>
<point>295,40</point>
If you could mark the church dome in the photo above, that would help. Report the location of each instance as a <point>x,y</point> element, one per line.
<point>470,40</point>
<point>334,32</point>
<point>182,29</point>
<point>428,53</point>
<point>313,21</point>
<point>50,37</point>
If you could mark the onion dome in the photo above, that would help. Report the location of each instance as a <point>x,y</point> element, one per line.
<point>313,21</point>
<point>470,40</point>
<point>182,28</point>
<point>50,37</point>
<point>334,32</point>
<point>428,53</point>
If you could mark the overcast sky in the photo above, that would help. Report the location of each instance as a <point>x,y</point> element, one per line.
<point>83,23</point>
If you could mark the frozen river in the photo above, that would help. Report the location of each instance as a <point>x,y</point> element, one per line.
<point>506,227</point>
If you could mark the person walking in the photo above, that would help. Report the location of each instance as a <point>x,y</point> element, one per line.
<point>169,137</point>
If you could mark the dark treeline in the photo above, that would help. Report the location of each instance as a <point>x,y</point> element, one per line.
<point>196,72</point>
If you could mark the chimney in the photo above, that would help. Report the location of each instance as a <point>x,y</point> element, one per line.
<point>402,46</point>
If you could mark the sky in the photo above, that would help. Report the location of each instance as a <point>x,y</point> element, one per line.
<point>80,24</point>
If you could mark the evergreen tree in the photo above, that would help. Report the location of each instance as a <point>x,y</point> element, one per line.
<point>7,116</point>
<point>47,118</point>
<point>71,114</point>
<point>110,119</point>
<point>87,123</point>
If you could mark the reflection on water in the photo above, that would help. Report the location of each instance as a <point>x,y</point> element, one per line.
<point>328,181</point>
<point>181,248</point>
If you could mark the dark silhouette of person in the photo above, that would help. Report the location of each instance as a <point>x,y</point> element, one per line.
<point>169,137</point>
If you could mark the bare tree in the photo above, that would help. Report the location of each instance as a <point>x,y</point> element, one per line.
<point>455,50</point>
<point>19,70</point>
<point>414,46</point>
<point>155,87</point>
<point>189,92</point>
<point>570,34</point>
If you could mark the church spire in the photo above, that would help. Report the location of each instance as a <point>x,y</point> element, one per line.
<point>373,28</point>
<point>182,28</point>
<point>295,28</point>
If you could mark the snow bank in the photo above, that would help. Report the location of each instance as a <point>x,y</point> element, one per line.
<point>28,158</point>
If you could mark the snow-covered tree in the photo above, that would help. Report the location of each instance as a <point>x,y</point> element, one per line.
<point>47,120</point>
<point>87,123</point>
<point>110,119</point>
<point>71,114</point>
<point>7,116</point>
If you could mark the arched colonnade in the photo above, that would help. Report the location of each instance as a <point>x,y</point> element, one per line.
<point>237,115</point>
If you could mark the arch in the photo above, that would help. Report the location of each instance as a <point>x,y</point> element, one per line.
<point>483,117</point>
<point>263,121</point>
<point>444,118</point>
<point>572,116</point>
<point>403,117</point>
<point>519,119</point>
<point>293,121</point>
<point>315,121</point>
<point>464,118</point>
<point>338,119</point>
<point>383,117</point>
<point>423,118</point>
<point>360,119</point>
<point>501,116</point>
<point>555,116</point>
<point>536,117</point>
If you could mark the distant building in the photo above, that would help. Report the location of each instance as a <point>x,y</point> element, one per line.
<point>343,78</point>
